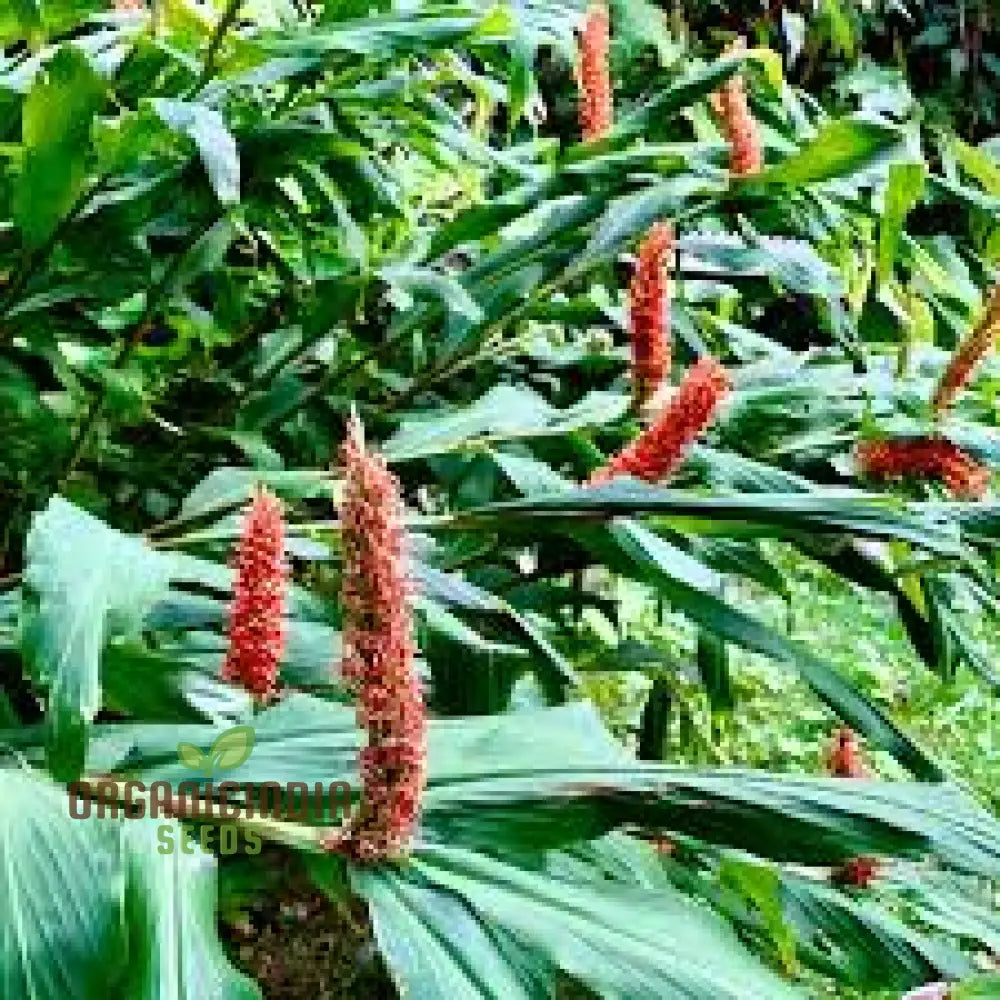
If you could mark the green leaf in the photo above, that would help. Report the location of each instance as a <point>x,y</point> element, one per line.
<point>979,164</point>
<point>689,88</point>
<point>728,623</point>
<point>302,738</point>
<point>505,412</point>
<point>170,902</point>
<point>985,987</point>
<point>841,147</point>
<point>232,748</point>
<point>84,582</point>
<point>761,885</point>
<point>56,122</point>
<point>215,143</point>
<point>531,801</point>
<point>59,923</point>
<point>620,940</point>
<point>906,185</point>
<point>744,515</point>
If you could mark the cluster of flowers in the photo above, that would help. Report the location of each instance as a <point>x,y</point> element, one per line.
<point>657,452</point>
<point>649,314</point>
<point>970,352</point>
<point>379,651</point>
<point>256,617</point>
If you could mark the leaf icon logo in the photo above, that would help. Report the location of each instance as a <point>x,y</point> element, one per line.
<point>231,748</point>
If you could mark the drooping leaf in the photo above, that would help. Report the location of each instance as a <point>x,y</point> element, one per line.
<point>841,147</point>
<point>85,581</point>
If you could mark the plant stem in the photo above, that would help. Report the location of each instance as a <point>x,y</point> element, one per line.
<point>227,20</point>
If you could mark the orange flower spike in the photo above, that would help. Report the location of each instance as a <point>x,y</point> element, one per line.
<point>659,449</point>
<point>968,355</point>
<point>594,74</point>
<point>649,313</point>
<point>738,124</point>
<point>932,458</point>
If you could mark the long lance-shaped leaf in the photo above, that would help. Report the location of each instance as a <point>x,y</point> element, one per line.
<point>621,940</point>
<point>721,618</point>
<point>771,514</point>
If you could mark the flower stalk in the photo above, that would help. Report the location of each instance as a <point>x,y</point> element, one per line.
<point>738,124</point>
<point>659,450</point>
<point>970,353</point>
<point>594,75</point>
<point>256,615</point>
<point>379,656</point>
<point>649,314</point>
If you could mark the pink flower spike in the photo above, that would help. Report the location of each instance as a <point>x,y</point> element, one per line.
<point>379,656</point>
<point>594,76</point>
<point>256,616</point>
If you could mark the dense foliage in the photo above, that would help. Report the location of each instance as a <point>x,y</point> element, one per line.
<point>559,424</point>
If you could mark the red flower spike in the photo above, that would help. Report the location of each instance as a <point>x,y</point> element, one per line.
<point>649,313</point>
<point>658,450</point>
<point>932,458</point>
<point>844,756</point>
<point>594,76</point>
<point>970,352</point>
<point>256,616</point>
<point>379,656</point>
<point>738,124</point>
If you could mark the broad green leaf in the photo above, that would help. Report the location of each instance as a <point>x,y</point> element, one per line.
<point>170,903</point>
<point>56,123</point>
<point>85,581</point>
<point>227,488</point>
<point>619,940</point>
<point>979,164</point>
<point>59,922</point>
<point>689,88</point>
<point>302,738</point>
<point>747,515</point>
<point>504,413</point>
<point>840,148</point>
<point>906,184</point>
